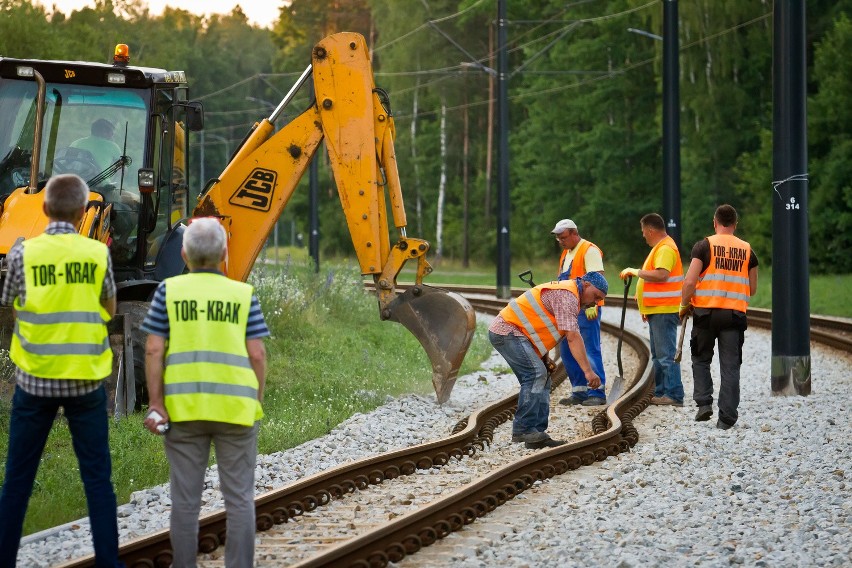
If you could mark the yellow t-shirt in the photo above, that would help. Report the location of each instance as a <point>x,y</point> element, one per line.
<point>593,259</point>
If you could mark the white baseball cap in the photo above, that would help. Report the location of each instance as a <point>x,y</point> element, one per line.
<point>563,225</point>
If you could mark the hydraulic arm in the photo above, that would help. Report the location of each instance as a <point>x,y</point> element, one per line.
<point>354,120</point>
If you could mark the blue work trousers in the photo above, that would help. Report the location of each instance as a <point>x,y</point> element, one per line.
<point>663,334</point>
<point>31,421</point>
<point>590,330</point>
<point>534,396</point>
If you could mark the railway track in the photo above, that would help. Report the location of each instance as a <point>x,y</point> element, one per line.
<point>326,520</point>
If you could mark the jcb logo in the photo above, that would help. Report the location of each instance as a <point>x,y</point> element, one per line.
<point>256,191</point>
<point>70,74</point>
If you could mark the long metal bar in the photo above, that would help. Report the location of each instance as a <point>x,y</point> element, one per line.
<point>291,94</point>
<point>313,208</point>
<point>39,119</point>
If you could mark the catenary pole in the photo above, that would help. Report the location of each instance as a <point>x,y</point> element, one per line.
<point>791,359</point>
<point>503,250</point>
<point>671,121</point>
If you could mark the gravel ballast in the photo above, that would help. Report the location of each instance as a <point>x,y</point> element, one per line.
<point>772,491</point>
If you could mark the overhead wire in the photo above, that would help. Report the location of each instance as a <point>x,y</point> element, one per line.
<point>453,71</point>
<point>424,26</point>
<point>589,81</point>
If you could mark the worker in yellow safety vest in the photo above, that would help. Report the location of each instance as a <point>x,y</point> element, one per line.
<point>721,279</point>
<point>205,368</point>
<point>61,286</point>
<point>658,296</point>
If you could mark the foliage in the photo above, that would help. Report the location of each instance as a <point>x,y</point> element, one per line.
<point>831,145</point>
<point>585,109</point>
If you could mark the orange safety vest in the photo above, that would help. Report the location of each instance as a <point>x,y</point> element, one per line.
<point>666,293</point>
<point>724,282</point>
<point>533,319</point>
<point>578,263</point>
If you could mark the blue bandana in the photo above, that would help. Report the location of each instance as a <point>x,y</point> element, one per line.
<point>597,280</point>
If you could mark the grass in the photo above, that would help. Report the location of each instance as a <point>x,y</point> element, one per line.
<point>329,357</point>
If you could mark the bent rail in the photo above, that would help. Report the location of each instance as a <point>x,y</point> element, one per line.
<point>613,433</point>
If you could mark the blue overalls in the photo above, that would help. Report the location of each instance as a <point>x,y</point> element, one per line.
<point>590,331</point>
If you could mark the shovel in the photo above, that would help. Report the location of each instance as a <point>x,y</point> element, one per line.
<point>526,278</point>
<point>616,387</point>
<point>443,322</point>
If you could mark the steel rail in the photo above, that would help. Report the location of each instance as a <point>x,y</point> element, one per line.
<point>277,506</point>
<point>613,433</point>
<point>469,436</point>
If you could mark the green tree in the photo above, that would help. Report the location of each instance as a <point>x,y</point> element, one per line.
<point>830,145</point>
<point>25,30</point>
<point>302,23</point>
<point>726,96</point>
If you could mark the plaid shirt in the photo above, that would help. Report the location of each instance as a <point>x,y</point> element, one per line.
<point>564,305</point>
<point>15,287</point>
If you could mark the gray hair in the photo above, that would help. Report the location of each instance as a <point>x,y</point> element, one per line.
<point>64,196</point>
<point>204,242</point>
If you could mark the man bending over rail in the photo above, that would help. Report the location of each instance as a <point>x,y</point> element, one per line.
<point>530,326</point>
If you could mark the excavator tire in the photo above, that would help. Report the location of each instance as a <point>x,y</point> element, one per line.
<point>7,380</point>
<point>135,311</point>
<point>128,345</point>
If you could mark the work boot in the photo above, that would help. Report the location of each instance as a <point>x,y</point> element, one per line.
<point>704,413</point>
<point>594,401</point>
<point>571,400</point>
<point>530,437</point>
<point>547,443</point>
<point>723,425</point>
<point>665,401</point>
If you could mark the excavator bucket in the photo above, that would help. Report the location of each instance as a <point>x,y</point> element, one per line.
<point>443,322</point>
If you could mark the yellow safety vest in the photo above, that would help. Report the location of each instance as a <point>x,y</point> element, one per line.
<point>208,374</point>
<point>60,331</point>
<point>725,282</point>
<point>528,313</point>
<point>666,293</point>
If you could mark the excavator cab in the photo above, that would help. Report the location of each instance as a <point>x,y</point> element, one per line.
<point>123,130</point>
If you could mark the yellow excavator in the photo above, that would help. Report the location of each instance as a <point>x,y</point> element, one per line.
<point>141,196</point>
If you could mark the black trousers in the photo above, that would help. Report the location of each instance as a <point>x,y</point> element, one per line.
<point>727,328</point>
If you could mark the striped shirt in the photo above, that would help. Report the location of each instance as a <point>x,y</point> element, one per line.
<point>15,287</point>
<point>564,305</point>
<point>157,320</point>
